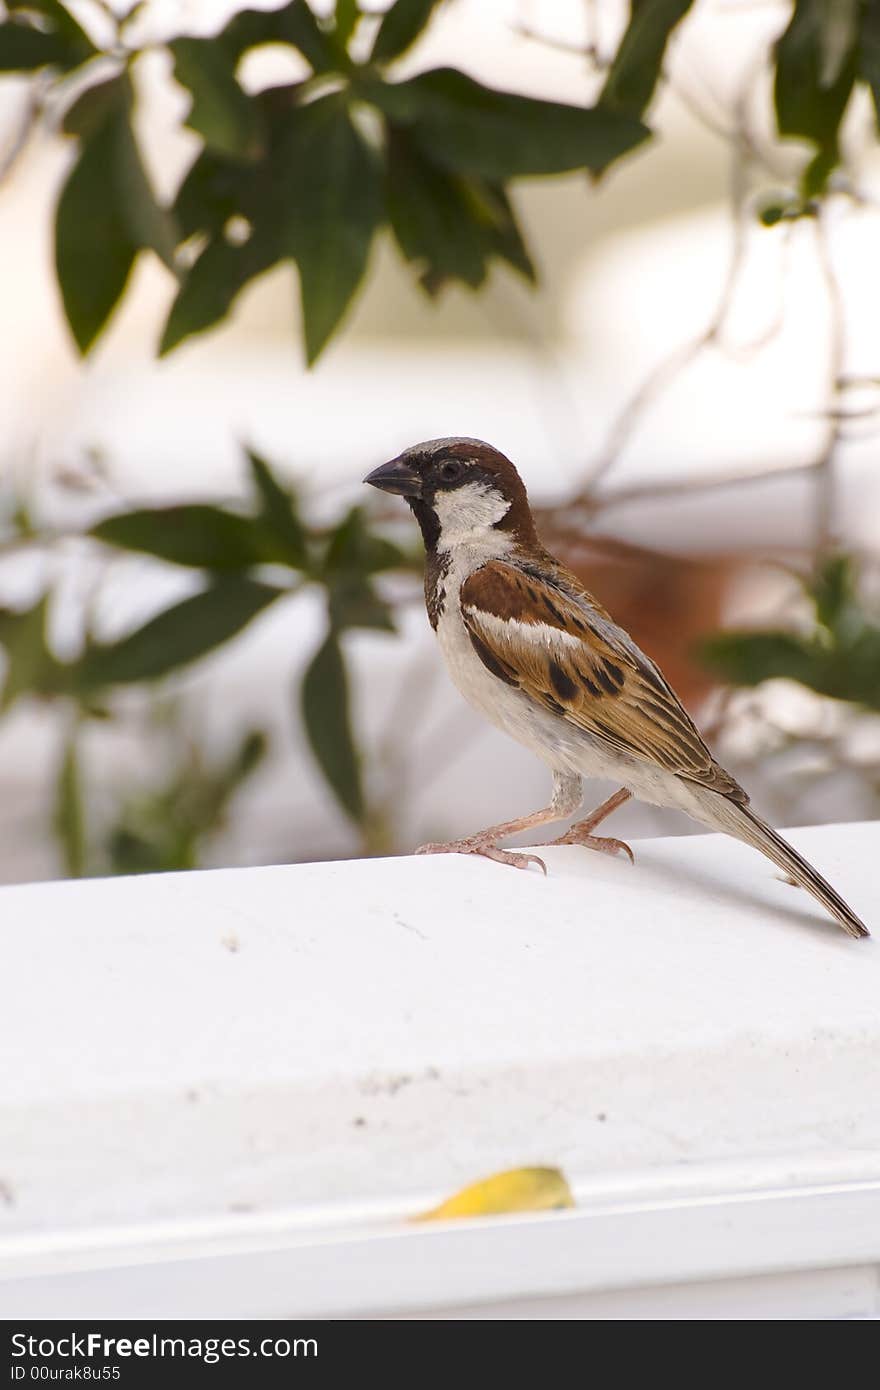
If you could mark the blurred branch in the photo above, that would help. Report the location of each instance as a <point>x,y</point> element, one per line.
<point>679,487</point>
<point>588,51</point>
<point>739,134</point>
<point>659,380</point>
<point>746,152</point>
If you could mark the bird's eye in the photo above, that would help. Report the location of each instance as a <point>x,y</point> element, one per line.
<point>450,470</point>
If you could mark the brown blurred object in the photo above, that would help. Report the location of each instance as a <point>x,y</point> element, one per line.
<point>666,601</point>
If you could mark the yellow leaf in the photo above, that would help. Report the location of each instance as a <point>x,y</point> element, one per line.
<point>519,1189</point>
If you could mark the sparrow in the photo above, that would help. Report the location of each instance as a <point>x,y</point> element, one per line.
<point>530,648</point>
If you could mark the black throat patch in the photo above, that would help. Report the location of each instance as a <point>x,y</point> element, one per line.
<point>436,565</point>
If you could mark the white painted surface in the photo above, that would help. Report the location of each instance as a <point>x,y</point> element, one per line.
<point>243,1080</point>
<point>806,1253</point>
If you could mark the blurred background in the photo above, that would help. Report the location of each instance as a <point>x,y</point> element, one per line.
<point>215,304</point>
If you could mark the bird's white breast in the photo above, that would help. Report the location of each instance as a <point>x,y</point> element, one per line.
<point>509,709</point>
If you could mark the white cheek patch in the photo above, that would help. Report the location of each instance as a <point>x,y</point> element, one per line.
<point>466,513</point>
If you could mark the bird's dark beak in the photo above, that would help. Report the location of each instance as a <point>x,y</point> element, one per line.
<point>398,477</point>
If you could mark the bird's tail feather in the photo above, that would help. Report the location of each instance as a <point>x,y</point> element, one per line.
<point>756,832</point>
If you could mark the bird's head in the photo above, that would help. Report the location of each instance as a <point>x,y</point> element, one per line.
<point>462,491</point>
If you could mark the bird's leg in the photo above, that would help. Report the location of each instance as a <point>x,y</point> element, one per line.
<point>579,834</point>
<point>566,798</point>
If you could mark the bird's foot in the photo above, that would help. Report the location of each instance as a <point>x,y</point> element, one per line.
<point>603,843</point>
<point>476,844</point>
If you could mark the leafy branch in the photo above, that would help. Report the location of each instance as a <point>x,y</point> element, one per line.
<point>305,172</point>
<point>233,550</point>
<point>817,61</point>
<point>837,656</point>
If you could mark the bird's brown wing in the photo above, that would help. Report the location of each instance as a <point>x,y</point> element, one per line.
<point>551,639</point>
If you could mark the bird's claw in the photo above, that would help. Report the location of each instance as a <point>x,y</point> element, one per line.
<point>518,859</point>
<point>605,844</point>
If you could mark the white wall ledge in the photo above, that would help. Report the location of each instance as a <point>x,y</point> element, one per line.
<point>291,1059</point>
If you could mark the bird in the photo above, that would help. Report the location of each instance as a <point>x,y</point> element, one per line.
<point>531,649</point>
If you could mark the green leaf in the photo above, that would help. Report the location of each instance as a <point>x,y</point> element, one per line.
<point>334,187</point>
<point>345,20</point>
<point>838,36</point>
<point>94,249</point>
<point>160,828</point>
<point>106,214</point>
<point>93,107</point>
<point>200,536</point>
<point>314,197</point>
<point>430,215</point>
<point>355,603</point>
<point>816,175</point>
<point>451,226</point>
<point>637,64</point>
<point>177,637</point>
<point>140,844</point>
<point>278,511</point>
<point>495,214</point>
<point>325,711</point>
<point>31,669</point>
<point>57,42</point>
<point>217,187</point>
<point>833,591</point>
<point>69,812</point>
<point>213,190</point>
<point>354,549</point>
<point>401,25</point>
<point>24,48</point>
<point>839,609</point>
<point>869,53</point>
<point>295,24</point>
<point>354,553</point>
<point>58,18</point>
<point>247,757</point>
<point>472,129</point>
<point>839,659</point>
<point>213,283</point>
<point>810,92</point>
<point>853,673</point>
<point>748,658</point>
<point>221,112</point>
<point>150,226</point>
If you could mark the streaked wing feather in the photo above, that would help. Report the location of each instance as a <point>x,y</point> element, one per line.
<point>550,638</point>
